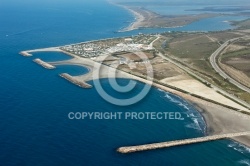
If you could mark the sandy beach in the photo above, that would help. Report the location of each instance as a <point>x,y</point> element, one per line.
<point>145,18</point>
<point>139,19</point>
<point>219,120</point>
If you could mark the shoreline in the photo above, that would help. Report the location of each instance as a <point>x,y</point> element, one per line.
<point>147,19</point>
<point>138,18</point>
<point>144,18</point>
<point>218,119</point>
<point>218,123</point>
<point>137,23</point>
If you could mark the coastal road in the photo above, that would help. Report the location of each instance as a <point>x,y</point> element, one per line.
<point>152,43</point>
<point>202,80</point>
<point>220,71</point>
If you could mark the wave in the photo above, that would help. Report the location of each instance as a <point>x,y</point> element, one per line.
<point>239,147</point>
<point>245,162</point>
<point>177,100</point>
<point>197,125</point>
<point>160,90</point>
<point>197,119</point>
<point>191,115</point>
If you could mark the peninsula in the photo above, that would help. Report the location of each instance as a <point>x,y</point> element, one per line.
<point>145,18</point>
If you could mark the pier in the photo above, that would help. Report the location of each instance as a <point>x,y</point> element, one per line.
<point>131,149</point>
<point>75,81</point>
<point>44,64</point>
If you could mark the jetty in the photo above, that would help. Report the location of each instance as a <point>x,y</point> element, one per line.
<point>44,64</point>
<point>131,149</point>
<point>25,53</point>
<point>29,52</point>
<point>75,81</point>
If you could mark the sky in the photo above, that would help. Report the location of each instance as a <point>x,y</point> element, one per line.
<point>190,2</point>
<point>146,2</point>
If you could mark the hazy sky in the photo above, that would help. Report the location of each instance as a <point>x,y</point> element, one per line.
<point>190,2</point>
<point>149,2</point>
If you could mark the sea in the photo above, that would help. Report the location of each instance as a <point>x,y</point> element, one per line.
<point>34,102</point>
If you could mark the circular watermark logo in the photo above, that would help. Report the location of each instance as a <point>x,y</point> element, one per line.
<point>111,71</point>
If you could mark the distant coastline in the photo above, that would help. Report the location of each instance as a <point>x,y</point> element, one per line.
<point>138,18</point>
<point>144,18</point>
<point>219,119</point>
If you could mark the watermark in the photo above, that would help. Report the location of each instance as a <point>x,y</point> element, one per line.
<point>100,67</point>
<point>125,116</point>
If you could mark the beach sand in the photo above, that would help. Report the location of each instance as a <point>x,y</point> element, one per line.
<point>145,18</point>
<point>139,20</point>
<point>219,120</point>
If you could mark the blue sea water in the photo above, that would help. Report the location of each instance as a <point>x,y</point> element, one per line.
<point>34,102</point>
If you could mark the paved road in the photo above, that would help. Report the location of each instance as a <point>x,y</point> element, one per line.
<point>220,71</point>
<point>152,43</point>
<point>204,81</point>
